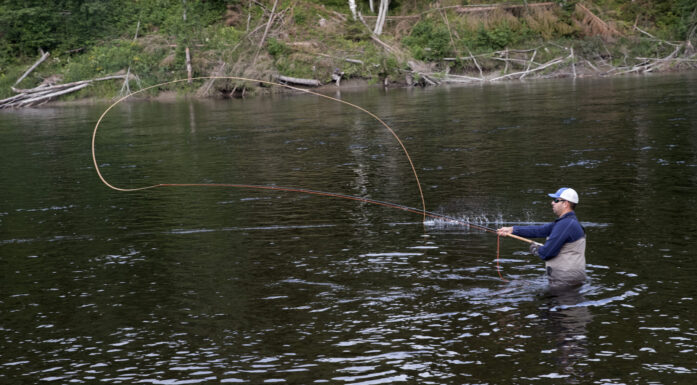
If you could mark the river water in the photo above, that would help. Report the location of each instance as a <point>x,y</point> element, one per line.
<point>187,285</point>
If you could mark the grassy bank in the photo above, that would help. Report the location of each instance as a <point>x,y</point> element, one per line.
<point>424,43</point>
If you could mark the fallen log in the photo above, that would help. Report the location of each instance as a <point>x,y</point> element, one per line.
<point>299,81</point>
<point>450,78</point>
<point>532,60</point>
<point>10,100</point>
<point>492,7</point>
<point>354,61</point>
<point>66,85</point>
<point>44,93</point>
<point>429,79</point>
<point>538,68</point>
<point>593,25</point>
<point>45,97</point>
<point>651,64</point>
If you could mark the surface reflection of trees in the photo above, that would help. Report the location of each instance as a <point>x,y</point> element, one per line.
<point>567,321</point>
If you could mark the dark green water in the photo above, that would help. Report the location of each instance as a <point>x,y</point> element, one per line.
<point>218,285</point>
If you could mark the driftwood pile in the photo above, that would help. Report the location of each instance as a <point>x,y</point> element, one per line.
<point>522,63</point>
<point>683,54</point>
<point>48,91</point>
<point>523,59</point>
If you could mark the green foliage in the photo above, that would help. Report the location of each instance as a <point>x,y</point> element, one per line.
<point>64,25</point>
<point>199,14</point>
<point>681,20</point>
<point>389,67</point>
<point>592,47</point>
<point>8,76</point>
<point>286,65</point>
<point>670,19</point>
<point>356,31</point>
<point>300,17</point>
<point>104,60</point>
<point>567,5</point>
<point>277,48</point>
<point>429,41</point>
<point>222,38</point>
<point>497,38</point>
<point>32,24</point>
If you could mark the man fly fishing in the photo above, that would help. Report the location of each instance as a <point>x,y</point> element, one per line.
<point>564,251</point>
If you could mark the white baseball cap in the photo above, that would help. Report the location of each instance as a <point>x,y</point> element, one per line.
<point>567,194</point>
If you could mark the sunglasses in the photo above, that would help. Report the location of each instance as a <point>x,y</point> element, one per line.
<point>559,200</point>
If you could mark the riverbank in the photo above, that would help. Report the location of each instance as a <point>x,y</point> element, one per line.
<point>577,71</point>
<point>325,46</point>
<point>352,85</point>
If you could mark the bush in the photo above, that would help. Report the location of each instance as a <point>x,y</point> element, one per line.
<point>497,38</point>
<point>429,41</point>
<point>355,31</point>
<point>548,24</point>
<point>221,37</point>
<point>277,48</point>
<point>116,58</point>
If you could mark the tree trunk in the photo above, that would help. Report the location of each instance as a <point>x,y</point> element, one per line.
<point>189,70</point>
<point>352,7</point>
<point>382,15</point>
<point>188,53</point>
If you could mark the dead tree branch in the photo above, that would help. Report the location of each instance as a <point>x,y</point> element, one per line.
<point>41,60</point>
<point>266,31</point>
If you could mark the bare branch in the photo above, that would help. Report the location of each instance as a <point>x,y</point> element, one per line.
<point>41,59</point>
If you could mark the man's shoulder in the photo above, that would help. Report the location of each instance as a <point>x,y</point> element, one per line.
<point>572,224</point>
<point>571,215</point>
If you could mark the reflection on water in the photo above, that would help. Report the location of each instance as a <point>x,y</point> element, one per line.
<point>568,319</point>
<point>197,285</point>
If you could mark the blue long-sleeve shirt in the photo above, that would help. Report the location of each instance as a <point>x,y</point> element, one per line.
<point>563,230</point>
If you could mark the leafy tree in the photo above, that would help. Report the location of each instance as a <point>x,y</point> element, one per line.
<point>26,26</point>
<point>66,25</point>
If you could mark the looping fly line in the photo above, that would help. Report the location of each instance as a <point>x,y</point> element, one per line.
<point>394,134</point>
<point>421,211</point>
